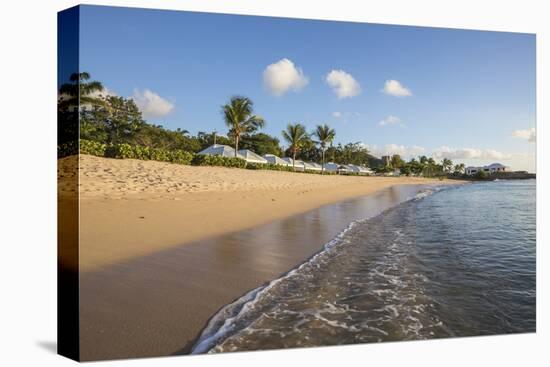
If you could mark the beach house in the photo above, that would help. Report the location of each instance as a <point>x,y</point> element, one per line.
<point>359,169</point>
<point>252,157</point>
<point>490,169</point>
<point>312,166</point>
<point>223,150</point>
<point>273,159</point>
<point>298,165</point>
<point>335,167</point>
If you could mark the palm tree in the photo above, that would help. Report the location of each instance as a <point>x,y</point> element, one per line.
<point>459,169</point>
<point>239,117</point>
<point>80,91</point>
<point>295,135</point>
<point>182,132</point>
<point>324,135</point>
<point>447,164</point>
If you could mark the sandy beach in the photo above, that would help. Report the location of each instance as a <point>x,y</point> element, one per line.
<point>164,246</point>
<point>132,208</point>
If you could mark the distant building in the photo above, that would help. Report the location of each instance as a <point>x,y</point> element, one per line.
<point>273,159</point>
<point>252,157</point>
<point>490,169</point>
<point>298,165</point>
<point>223,150</point>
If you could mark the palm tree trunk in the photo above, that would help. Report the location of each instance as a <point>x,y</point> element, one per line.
<point>323,165</point>
<point>294,159</point>
<point>236,144</point>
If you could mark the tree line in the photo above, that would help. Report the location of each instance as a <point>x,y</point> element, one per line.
<point>112,119</point>
<point>425,166</point>
<point>109,119</point>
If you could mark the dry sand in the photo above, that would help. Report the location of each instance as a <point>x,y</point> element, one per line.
<point>130,208</point>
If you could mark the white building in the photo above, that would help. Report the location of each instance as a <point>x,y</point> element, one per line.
<point>335,167</point>
<point>273,159</point>
<point>312,166</point>
<point>298,165</point>
<point>359,169</point>
<point>490,169</point>
<point>223,150</point>
<point>252,157</point>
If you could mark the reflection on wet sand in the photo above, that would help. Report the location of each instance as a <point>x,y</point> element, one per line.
<point>158,304</point>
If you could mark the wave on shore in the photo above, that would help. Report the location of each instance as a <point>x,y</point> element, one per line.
<point>239,316</point>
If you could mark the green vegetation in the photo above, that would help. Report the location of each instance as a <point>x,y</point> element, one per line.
<point>92,148</point>
<point>481,175</point>
<point>424,166</point>
<point>217,160</point>
<point>261,143</point>
<point>113,126</point>
<point>295,135</point>
<point>239,118</point>
<point>325,135</point>
<point>459,169</point>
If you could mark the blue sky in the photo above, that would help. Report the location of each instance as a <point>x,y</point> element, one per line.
<point>469,95</point>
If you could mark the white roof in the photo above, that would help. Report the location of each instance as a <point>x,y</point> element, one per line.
<point>333,167</point>
<point>493,165</point>
<point>330,166</point>
<point>223,150</point>
<point>252,157</point>
<point>298,164</point>
<point>273,159</point>
<point>312,166</point>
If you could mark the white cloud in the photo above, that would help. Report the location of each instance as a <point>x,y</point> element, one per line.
<point>151,104</point>
<point>403,150</point>
<point>390,120</point>
<point>396,89</point>
<point>337,114</point>
<point>343,84</point>
<point>468,153</point>
<point>438,153</point>
<point>528,134</point>
<point>282,76</point>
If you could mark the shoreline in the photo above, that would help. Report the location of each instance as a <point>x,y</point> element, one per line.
<point>159,304</point>
<point>148,286</point>
<point>133,208</point>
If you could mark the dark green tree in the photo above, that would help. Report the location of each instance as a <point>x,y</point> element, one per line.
<point>295,136</point>
<point>447,165</point>
<point>325,135</point>
<point>261,144</point>
<point>397,162</point>
<point>459,169</point>
<point>122,119</point>
<point>239,117</point>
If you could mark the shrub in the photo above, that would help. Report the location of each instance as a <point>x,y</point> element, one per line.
<point>217,160</point>
<point>67,149</point>
<point>92,147</point>
<point>276,167</point>
<point>180,157</point>
<point>86,147</point>
<point>160,155</point>
<point>120,151</point>
<point>257,166</point>
<point>481,175</point>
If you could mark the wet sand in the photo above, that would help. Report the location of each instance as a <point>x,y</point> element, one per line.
<point>157,305</point>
